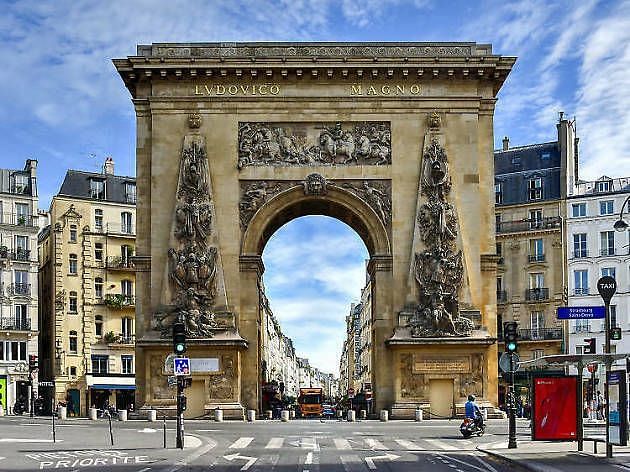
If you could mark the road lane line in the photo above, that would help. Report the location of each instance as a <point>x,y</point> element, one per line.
<point>441,445</point>
<point>342,444</point>
<point>275,443</point>
<point>145,469</point>
<point>485,464</point>
<point>410,445</point>
<point>241,443</point>
<point>467,464</point>
<point>353,464</point>
<point>375,445</point>
<point>309,458</point>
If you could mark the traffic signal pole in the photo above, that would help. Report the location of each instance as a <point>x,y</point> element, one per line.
<point>609,449</point>
<point>512,408</point>
<point>180,413</point>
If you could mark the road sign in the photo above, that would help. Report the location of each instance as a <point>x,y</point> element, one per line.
<point>504,362</point>
<point>607,286</point>
<point>592,368</point>
<point>172,381</point>
<point>181,366</point>
<point>581,313</point>
<point>46,384</point>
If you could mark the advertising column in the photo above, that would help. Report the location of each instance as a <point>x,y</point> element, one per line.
<point>617,400</point>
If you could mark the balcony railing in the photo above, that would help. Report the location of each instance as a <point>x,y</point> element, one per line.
<point>540,334</point>
<point>119,300</point>
<point>536,258</point>
<point>501,296</point>
<point>120,229</point>
<point>581,291</point>
<point>18,219</point>
<point>15,324</point>
<point>120,263</point>
<point>21,255</point>
<point>19,289</point>
<point>550,222</point>
<point>609,251</point>
<point>130,198</point>
<point>534,294</point>
<point>580,254</point>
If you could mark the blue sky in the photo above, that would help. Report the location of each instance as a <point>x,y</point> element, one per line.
<point>63,104</point>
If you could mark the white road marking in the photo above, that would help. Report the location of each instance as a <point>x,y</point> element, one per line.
<point>342,444</point>
<point>145,469</point>
<point>147,430</point>
<point>241,443</point>
<point>275,443</point>
<point>408,444</point>
<point>309,443</point>
<point>467,464</point>
<point>309,458</point>
<point>485,464</point>
<point>250,460</point>
<point>441,445</point>
<point>191,442</point>
<point>375,445</point>
<point>370,460</point>
<point>27,440</point>
<point>352,464</point>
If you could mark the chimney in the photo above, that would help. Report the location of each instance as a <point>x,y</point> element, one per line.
<point>108,167</point>
<point>506,143</point>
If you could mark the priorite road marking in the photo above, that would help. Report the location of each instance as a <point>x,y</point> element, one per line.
<point>241,443</point>
<point>275,443</point>
<point>250,460</point>
<point>441,445</point>
<point>342,444</point>
<point>375,445</point>
<point>309,458</point>
<point>410,445</point>
<point>370,460</point>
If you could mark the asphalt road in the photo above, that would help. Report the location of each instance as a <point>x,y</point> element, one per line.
<point>297,446</point>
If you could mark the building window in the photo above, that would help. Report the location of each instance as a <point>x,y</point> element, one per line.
<point>13,350</point>
<point>536,250</point>
<point>534,188</point>
<point>126,287</point>
<point>538,353</point>
<point>579,245</point>
<point>537,324</point>
<point>578,210</point>
<point>21,317</point>
<point>606,207</point>
<point>73,342</point>
<point>99,364</point>
<point>608,271</point>
<point>536,280</point>
<point>21,244</point>
<point>98,325</point>
<point>73,264</point>
<point>97,189</point>
<point>603,186</point>
<point>582,326</point>
<point>21,183</point>
<point>499,249</point>
<point>127,364</point>
<point>580,279</point>
<point>98,251</point>
<point>22,214</point>
<point>579,350</point>
<point>545,156</point>
<point>607,243</point>
<point>98,219</point>
<point>126,223</point>
<point>72,303</point>
<point>73,371</point>
<point>498,193</point>
<point>130,193</point>
<point>127,330</point>
<point>98,287</point>
<point>535,218</point>
<point>73,233</point>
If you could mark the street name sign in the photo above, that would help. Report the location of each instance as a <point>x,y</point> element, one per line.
<point>181,366</point>
<point>581,312</point>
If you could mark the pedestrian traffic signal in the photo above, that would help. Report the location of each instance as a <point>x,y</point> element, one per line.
<point>33,363</point>
<point>510,336</point>
<point>179,337</point>
<point>181,404</point>
<point>590,347</point>
<point>615,334</point>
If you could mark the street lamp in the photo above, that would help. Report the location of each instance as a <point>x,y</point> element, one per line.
<point>620,224</point>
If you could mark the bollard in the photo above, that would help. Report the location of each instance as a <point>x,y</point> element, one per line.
<point>284,416</point>
<point>352,415</point>
<point>384,415</point>
<point>122,415</point>
<point>218,415</point>
<point>92,413</point>
<point>1,410</point>
<point>251,415</point>
<point>339,413</point>
<point>484,413</point>
<point>418,414</point>
<point>63,413</point>
<point>152,416</point>
<point>363,414</point>
<point>292,414</point>
<point>269,414</point>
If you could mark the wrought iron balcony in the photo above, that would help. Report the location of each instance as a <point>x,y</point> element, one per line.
<point>609,251</point>
<point>21,255</point>
<point>550,222</point>
<point>18,220</point>
<point>120,263</point>
<point>536,258</point>
<point>540,334</point>
<point>19,289</point>
<point>501,296</point>
<point>534,294</point>
<point>121,229</point>
<point>581,291</point>
<point>119,300</point>
<point>580,253</point>
<point>15,324</point>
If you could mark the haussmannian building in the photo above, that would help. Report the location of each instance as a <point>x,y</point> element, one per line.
<point>531,186</point>
<point>87,289</point>
<point>19,225</point>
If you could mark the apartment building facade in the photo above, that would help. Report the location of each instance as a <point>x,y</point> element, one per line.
<point>19,329</point>
<point>87,289</point>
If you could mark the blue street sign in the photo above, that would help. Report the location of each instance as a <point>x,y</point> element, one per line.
<point>581,313</point>
<point>181,366</point>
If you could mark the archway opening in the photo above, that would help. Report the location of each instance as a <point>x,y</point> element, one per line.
<point>314,280</point>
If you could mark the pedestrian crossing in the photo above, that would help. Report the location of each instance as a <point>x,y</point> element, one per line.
<point>313,443</point>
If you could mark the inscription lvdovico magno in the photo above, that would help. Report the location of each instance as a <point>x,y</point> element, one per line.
<point>274,89</point>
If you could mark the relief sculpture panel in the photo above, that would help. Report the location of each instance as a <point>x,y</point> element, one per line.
<point>309,144</point>
<point>221,386</point>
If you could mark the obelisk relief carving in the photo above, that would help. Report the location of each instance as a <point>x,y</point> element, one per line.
<point>438,269</point>
<point>193,261</point>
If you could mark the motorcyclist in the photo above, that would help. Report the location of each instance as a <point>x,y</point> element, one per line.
<point>473,411</point>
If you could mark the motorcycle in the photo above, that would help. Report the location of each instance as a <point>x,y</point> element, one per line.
<point>19,408</point>
<point>469,427</point>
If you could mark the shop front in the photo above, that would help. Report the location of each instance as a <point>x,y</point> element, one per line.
<point>116,391</point>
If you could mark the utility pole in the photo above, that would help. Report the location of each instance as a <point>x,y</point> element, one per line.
<point>179,348</point>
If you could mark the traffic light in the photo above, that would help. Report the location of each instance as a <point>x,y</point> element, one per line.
<point>181,404</point>
<point>179,337</point>
<point>590,347</point>
<point>510,336</point>
<point>615,334</point>
<point>33,364</point>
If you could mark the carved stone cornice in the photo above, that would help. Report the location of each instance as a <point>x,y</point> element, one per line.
<point>380,263</point>
<point>489,262</point>
<point>142,263</point>
<point>251,263</point>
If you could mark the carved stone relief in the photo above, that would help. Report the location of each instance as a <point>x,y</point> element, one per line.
<point>412,384</point>
<point>255,194</point>
<point>159,384</point>
<point>222,386</point>
<point>377,194</point>
<point>315,184</point>
<point>304,144</point>
<point>439,268</point>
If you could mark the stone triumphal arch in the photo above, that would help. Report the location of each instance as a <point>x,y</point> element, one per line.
<point>394,139</point>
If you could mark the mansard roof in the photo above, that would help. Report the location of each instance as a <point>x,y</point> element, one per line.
<point>77,184</point>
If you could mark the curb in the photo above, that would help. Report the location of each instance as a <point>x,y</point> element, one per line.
<point>524,465</point>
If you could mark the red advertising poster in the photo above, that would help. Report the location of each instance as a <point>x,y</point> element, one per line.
<point>555,409</point>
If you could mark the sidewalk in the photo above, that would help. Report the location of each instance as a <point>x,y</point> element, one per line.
<point>547,456</point>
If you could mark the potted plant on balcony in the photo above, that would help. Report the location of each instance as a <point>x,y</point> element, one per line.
<point>21,220</point>
<point>111,337</point>
<point>116,301</point>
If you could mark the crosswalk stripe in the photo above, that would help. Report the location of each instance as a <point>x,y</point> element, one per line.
<point>352,464</point>
<point>309,443</point>
<point>407,444</point>
<point>441,445</point>
<point>241,443</point>
<point>342,444</point>
<point>275,443</point>
<point>375,445</point>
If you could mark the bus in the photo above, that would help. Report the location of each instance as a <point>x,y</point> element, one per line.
<point>310,401</point>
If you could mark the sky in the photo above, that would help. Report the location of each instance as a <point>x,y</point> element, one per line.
<point>62,103</point>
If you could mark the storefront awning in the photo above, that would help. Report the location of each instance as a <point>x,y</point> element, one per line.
<point>112,387</point>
